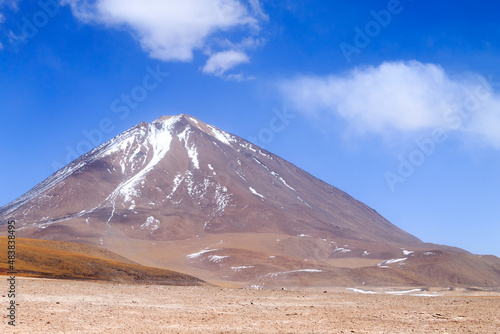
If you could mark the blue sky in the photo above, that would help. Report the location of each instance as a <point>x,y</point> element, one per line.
<point>395,102</point>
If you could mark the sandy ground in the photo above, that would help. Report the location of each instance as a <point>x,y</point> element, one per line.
<point>60,306</point>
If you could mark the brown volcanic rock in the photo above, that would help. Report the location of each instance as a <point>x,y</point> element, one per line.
<point>182,194</point>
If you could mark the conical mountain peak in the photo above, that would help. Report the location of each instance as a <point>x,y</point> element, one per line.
<point>182,194</point>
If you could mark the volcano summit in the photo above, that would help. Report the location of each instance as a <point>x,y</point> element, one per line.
<point>181,194</point>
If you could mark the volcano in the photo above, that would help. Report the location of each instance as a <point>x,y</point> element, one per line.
<point>184,195</point>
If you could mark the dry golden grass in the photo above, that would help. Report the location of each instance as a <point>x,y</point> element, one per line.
<point>55,259</point>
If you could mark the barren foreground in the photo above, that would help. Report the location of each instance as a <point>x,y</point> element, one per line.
<point>61,306</point>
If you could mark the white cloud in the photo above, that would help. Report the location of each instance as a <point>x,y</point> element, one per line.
<point>2,18</point>
<point>255,4</point>
<point>220,62</point>
<point>170,30</point>
<point>486,122</point>
<point>248,43</point>
<point>405,97</point>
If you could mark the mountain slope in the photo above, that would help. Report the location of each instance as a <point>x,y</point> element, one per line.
<point>182,194</point>
<point>158,165</point>
<point>54,259</point>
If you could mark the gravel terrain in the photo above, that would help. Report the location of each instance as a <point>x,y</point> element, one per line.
<point>63,306</point>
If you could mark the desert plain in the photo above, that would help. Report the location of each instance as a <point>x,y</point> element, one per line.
<point>78,306</point>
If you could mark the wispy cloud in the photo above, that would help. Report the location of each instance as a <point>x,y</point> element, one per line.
<point>11,4</point>
<point>171,30</point>
<point>405,97</point>
<point>257,9</point>
<point>221,62</point>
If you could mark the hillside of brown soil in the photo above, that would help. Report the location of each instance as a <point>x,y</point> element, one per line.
<point>54,259</point>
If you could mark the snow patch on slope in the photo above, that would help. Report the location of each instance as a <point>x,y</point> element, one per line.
<point>151,223</point>
<point>295,271</point>
<point>241,267</point>
<point>386,262</point>
<point>403,291</point>
<point>282,180</point>
<point>203,251</point>
<point>361,291</point>
<point>341,250</point>
<point>159,139</point>
<point>222,200</point>
<point>248,146</point>
<point>190,149</point>
<point>118,146</point>
<point>216,258</point>
<point>221,135</point>
<point>255,192</point>
<point>177,181</point>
